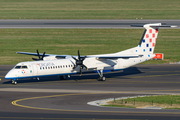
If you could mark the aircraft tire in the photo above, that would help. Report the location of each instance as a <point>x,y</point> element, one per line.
<point>15,82</point>
<point>103,79</point>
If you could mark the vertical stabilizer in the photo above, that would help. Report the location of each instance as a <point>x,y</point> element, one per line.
<point>149,38</point>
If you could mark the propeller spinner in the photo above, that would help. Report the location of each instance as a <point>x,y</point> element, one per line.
<point>40,58</point>
<point>79,62</point>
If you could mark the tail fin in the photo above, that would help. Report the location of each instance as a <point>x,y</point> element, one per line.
<point>148,40</point>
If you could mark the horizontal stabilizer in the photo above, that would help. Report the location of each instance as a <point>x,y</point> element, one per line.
<point>152,25</point>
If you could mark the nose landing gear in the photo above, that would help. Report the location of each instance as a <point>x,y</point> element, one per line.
<point>14,82</point>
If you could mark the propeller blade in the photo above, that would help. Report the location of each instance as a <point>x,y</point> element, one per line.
<point>74,58</point>
<point>79,57</point>
<point>38,53</point>
<point>79,62</point>
<point>43,55</point>
<point>40,57</point>
<point>85,67</point>
<point>84,58</point>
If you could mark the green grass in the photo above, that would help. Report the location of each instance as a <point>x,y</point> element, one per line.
<point>88,41</point>
<point>160,99</point>
<point>93,9</point>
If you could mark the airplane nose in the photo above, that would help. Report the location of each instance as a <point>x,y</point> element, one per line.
<point>10,75</point>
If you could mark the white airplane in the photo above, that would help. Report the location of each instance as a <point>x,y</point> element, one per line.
<point>65,65</point>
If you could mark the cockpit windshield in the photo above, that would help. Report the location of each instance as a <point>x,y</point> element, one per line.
<point>17,67</point>
<point>24,67</point>
<point>21,67</point>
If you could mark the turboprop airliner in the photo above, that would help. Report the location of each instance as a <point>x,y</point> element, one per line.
<point>66,65</point>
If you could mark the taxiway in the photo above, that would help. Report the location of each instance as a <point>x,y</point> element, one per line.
<point>82,24</point>
<point>51,98</point>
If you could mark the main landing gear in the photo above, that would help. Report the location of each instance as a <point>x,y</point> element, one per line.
<point>14,82</point>
<point>101,78</point>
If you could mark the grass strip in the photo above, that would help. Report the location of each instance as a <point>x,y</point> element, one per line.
<point>93,9</point>
<point>164,101</point>
<point>118,106</point>
<point>88,41</point>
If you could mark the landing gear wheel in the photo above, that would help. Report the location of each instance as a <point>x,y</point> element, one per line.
<point>15,82</point>
<point>101,79</point>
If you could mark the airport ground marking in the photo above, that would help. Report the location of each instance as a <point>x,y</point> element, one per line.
<point>40,108</point>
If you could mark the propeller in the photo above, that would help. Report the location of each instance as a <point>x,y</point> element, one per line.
<point>79,62</point>
<point>40,58</point>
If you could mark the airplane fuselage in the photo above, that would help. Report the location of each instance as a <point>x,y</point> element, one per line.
<point>60,67</point>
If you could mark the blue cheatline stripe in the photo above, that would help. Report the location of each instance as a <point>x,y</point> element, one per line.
<point>59,74</point>
<point>39,76</point>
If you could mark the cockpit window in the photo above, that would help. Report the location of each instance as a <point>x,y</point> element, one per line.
<point>24,67</point>
<point>17,67</point>
<point>21,67</point>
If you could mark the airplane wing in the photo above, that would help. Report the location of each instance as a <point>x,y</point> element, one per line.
<point>116,57</point>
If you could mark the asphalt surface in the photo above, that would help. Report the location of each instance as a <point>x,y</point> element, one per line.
<point>51,98</point>
<point>81,23</point>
